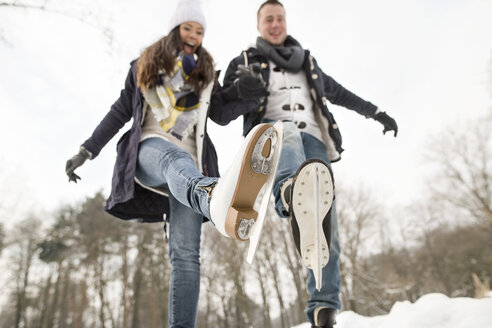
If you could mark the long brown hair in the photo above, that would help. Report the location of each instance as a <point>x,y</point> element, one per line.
<point>162,56</point>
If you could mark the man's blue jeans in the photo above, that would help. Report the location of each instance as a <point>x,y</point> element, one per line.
<point>297,147</point>
<point>162,164</point>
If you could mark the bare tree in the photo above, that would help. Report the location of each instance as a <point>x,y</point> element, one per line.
<point>224,275</point>
<point>211,279</point>
<point>403,273</point>
<point>359,216</point>
<point>124,309</point>
<point>464,169</point>
<point>262,278</point>
<point>271,260</point>
<point>294,264</point>
<point>84,255</point>
<point>432,217</point>
<point>23,247</point>
<point>138,278</point>
<point>216,278</point>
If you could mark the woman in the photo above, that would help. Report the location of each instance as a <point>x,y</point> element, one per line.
<point>160,160</point>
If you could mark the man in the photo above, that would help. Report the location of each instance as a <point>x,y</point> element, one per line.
<point>279,80</point>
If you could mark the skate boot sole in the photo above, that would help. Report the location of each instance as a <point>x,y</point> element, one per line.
<point>313,185</point>
<point>255,169</point>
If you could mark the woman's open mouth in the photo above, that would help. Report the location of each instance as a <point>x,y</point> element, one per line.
<point>188,48</point>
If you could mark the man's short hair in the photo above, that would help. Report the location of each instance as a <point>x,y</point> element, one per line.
<point>268,2</point>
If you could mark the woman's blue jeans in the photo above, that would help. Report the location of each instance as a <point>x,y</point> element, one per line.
<point>162,164</point>
<point>297,147</point>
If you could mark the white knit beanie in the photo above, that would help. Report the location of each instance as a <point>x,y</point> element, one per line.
<point>187,11</point>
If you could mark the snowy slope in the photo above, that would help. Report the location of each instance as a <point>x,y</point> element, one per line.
<point>430,311</point>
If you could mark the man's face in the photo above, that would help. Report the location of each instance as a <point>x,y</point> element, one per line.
<point>272,25</point>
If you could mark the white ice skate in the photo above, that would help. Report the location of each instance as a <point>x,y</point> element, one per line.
<point>233,197</point>
<point>311,200</point>
<point>267,192</point>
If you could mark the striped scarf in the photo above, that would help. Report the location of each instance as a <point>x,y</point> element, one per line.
<point>174,101</point>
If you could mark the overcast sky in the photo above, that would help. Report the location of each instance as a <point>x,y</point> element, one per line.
<point>425,62</point>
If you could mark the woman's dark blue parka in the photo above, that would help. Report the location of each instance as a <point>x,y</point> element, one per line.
<point>128,200</point>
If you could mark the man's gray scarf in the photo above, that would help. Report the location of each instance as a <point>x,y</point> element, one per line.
<point>289,57</point>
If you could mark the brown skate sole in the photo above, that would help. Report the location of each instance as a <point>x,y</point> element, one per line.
<point>241,216</point>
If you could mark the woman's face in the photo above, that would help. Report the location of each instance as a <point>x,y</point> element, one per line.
<point>191,34</point>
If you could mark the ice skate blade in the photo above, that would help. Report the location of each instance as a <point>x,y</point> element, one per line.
<point>312,197</point>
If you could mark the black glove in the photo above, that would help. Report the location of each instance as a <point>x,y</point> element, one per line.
<point>75,162</point>
<point>249,87</point>
<point>250,84</point>
<point>388,122</point>
<point>252,69</point>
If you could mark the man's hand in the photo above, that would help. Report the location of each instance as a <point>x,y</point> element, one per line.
<point>75,162</point>
<point>250,84</point>
<point>388,122</point>
<point>252,70</point>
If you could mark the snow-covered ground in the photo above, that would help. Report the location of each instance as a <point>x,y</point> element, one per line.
<point>430,311</point>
